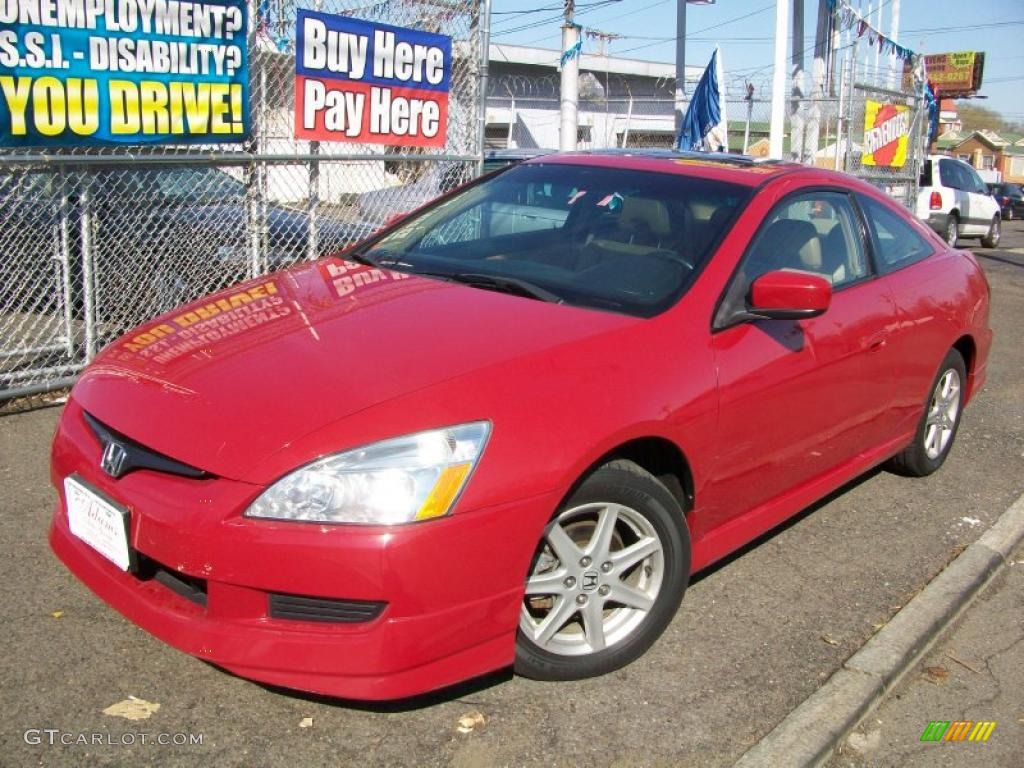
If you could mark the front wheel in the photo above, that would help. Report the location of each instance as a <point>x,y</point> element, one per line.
<point>607,577</point>
<point>991,240</point>
<point>939,423</point>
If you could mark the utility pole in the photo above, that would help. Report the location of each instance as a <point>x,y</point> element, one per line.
<point>798,93</point>
<point>895,67</point>
<point>569,129</point>
<point>778,121</point>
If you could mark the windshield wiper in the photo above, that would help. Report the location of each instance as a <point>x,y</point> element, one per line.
<point>502,283</point>
<point>361,257</point>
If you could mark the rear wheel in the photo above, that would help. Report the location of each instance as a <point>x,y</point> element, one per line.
<point>991,240</point>
<point>952,230</point>
<point>607,577</point>
<point>939,423</point>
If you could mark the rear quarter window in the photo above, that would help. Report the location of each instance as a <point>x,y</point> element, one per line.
<point>896,242</point>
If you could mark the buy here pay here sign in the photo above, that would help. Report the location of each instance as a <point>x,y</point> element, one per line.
<point>365,82</point>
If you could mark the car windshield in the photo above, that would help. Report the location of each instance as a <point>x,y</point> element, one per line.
<point>609,238</point>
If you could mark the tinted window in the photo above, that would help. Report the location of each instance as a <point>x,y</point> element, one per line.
<point>813,233</point>
<point>972,180</point>
<point>951,175</point>
<point>926,173</point>
<point>607,238</point>
<point>817,233</point>
<point>897,243</point>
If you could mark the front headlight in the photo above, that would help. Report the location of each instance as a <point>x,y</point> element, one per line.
<point>409,478</point>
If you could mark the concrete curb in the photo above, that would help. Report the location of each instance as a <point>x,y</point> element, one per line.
<point>809,734</point>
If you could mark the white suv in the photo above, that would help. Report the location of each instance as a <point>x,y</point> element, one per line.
<point>956,202</point>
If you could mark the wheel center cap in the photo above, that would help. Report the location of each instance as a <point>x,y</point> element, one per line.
<point>589,581</point>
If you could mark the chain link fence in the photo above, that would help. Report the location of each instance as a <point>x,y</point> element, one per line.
<point>899,181</point>
<point>96,240</point>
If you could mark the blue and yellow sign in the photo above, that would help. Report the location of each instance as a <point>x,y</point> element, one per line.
<point>107,72</point>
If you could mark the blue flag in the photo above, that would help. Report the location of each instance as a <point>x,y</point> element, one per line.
<point>704,111</point>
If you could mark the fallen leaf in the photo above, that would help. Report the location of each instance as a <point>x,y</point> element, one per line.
<point>829,639</point>
<point>470,722</point>
<point>964,664</point>
<point>132,708</point>
<point>936,674</point>
<point>57,614</point>
<point>306,722</point>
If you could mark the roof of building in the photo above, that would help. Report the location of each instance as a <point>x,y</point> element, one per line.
<point>1004,142</point>
<point>589,62</point>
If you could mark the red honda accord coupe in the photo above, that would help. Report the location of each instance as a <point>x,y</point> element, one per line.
<point>508,428</point>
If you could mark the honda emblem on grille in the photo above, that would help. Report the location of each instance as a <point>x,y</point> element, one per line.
<point>114,459</point>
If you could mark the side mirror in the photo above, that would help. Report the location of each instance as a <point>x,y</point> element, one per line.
<point>789,295</point>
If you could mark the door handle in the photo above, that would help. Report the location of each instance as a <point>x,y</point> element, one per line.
<point>877,342</point>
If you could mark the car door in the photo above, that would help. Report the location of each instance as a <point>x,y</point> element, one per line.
<point>953,178</point>
<point>983,205</point>
<point>920,288</point>
<point>799,398</point>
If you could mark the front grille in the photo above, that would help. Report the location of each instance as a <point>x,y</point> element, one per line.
<point>300,608</point>
<point>136,456</point>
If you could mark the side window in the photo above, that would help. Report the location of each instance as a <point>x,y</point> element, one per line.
<point>974,182</point>
<point>949,172</point>
<point>897,243</point>
<point>815,233</point>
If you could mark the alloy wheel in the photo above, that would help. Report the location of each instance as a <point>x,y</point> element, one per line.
<point>598,574</point>
<point>942,414</point>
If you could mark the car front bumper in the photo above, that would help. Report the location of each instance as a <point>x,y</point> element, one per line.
<point>451,589</point>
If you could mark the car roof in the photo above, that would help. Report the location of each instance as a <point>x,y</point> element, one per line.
<point>739,169</point>
<point>515,153</point>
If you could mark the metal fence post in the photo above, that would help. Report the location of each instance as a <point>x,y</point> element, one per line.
<point>483,57</point>
<point>312,238</point>
<point>64,249</point>
<point>88,266</point>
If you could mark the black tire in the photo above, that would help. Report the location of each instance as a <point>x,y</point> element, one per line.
<point>640,498</point>
<point>952,232</point>
<point>914,460</point>
<point>991,240</point>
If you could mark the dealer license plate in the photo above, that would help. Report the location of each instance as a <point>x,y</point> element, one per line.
<point>99,523</point>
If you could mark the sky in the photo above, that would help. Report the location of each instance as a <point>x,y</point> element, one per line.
<point>744,29</point>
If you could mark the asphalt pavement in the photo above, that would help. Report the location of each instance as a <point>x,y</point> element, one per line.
<point>755,636</point>
<point>975,675</point>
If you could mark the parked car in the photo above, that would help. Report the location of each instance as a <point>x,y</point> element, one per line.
<point>1010,198</point>
<point>507,429</point>
<point>956,203</point>
<point>161,236</point>
<point>381,205</point>
<point>502,158</point>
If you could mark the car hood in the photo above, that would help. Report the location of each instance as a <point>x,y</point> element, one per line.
<point>224,382</point>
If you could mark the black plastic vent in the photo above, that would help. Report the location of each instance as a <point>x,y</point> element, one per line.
<point>189,587</point>
<point>300,608</point>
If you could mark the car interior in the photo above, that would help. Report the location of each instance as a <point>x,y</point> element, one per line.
<point>587,239</point>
